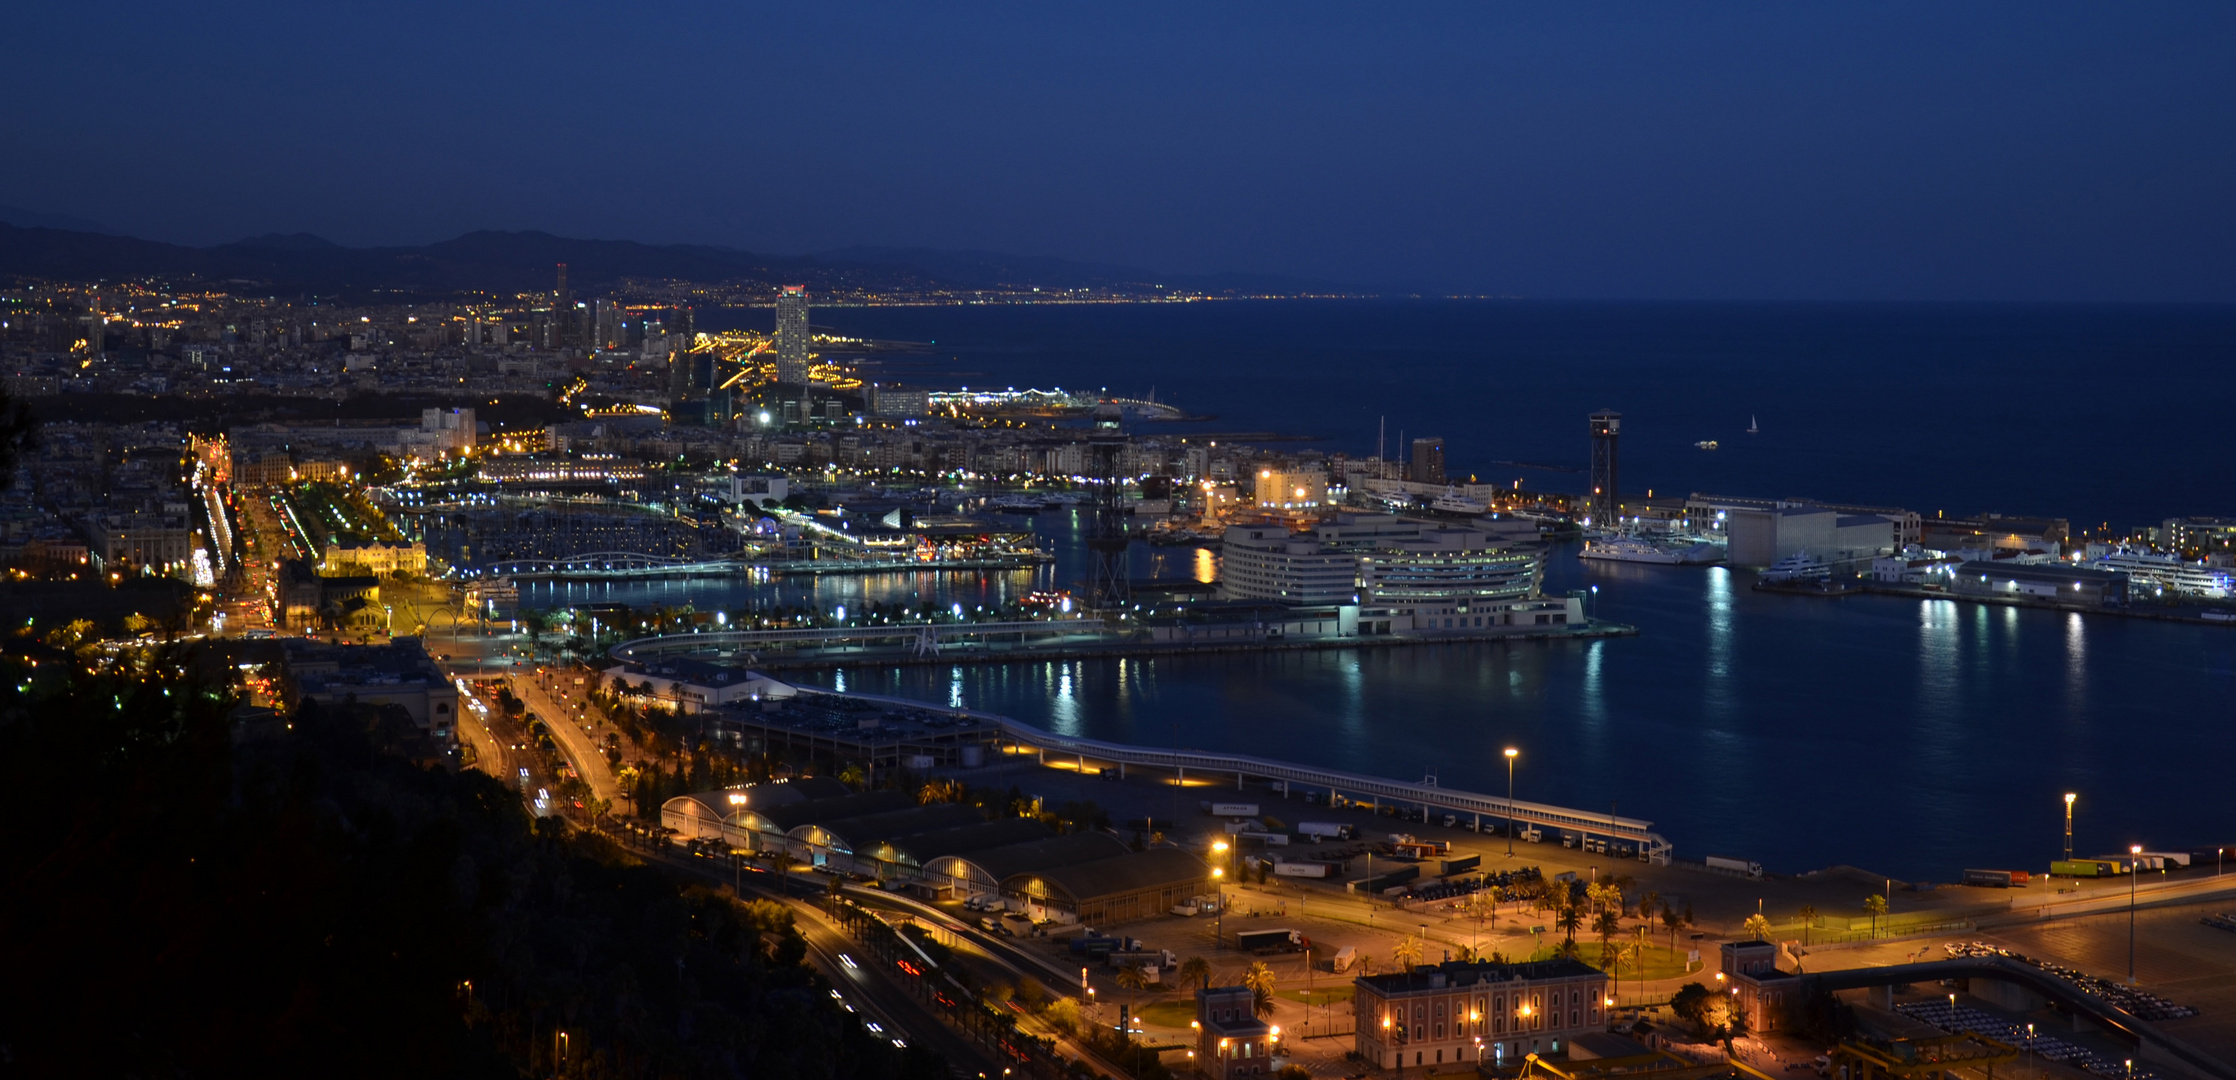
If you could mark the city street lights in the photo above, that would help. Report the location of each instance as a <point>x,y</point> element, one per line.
<point>2134,870</point>
<point>2069,826</point>
<point>1511,754</point>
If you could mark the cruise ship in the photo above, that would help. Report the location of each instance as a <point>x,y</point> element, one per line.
<point>2168,572</point>
<point>1663,552</point>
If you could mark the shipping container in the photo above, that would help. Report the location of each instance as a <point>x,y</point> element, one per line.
<point>1462,865</point>
<point>1991,879</point>
<point>1303,869</point>
<point>1230,809</point>
<point>2084,868</point>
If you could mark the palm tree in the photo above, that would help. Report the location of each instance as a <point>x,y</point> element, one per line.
<point>1570,920</point>
<point>1808,919</point>
<point>1196,969</point>
<point>1260,981</point>
<point>1875,905</point>
<point>1407,952</point>
<point>1669,922</point>
<point>1756,926</point>
<point>1606,924</point>
<point>1131,979</point>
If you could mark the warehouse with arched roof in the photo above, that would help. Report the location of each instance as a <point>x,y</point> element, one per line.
<point>981,873</point>
<point>736,814</point>
<point>1134,885</point>
<point>865,844</point>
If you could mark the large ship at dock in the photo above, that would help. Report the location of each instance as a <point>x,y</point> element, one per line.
<point>1668,552</point>
<point>2168,572</point>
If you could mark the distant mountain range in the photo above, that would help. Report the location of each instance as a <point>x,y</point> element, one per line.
<point>44,246</point>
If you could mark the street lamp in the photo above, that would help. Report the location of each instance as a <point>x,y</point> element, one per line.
<point>1219,918</point>
<point>1511,754</point>
<point>737,803</point>
<point>2069,826</point>
<point>2134,870</point>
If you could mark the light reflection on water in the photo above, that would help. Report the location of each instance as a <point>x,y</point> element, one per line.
<point>1905,736</point>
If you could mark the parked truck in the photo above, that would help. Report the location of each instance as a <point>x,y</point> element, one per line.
<point>1423,849</point>
<point>1995,879</point>
<point>1095,945</point>
<point>1230,809</point>
<point>1271,941</point>
<point>1343,959</point>
<point>1745,866</point>
<point>2086,868</point>
<point>1151,960</point>
<point>1324,830</point>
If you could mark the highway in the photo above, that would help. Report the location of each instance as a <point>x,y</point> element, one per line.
<point>542,693</point>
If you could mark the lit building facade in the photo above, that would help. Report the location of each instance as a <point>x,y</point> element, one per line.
<point>792,336</point>
<point>1464,1012</point>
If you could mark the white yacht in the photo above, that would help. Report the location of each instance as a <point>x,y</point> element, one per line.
<point>2169,572</point>
<point>1799,566</point>
<point>1459,504</point>
<point>1705,444</point>
<point>1672,552</point>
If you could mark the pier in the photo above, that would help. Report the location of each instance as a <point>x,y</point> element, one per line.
<point>918,734</point>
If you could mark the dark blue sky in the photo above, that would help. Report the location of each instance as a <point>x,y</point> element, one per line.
<point>1885,151</point>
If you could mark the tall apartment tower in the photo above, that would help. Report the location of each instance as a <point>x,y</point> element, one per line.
<point>96,330</point>
<point>791,335</point>
<point>563,308</point>
<point>1428,461</point>
<point>1605,507</point>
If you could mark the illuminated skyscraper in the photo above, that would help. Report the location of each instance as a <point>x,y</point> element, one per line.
<point>791,336</point>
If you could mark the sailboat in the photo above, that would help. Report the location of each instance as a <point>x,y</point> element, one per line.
<point>1752,427</point>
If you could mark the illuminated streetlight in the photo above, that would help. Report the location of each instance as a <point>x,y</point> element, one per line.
<point>1511,754</point>
<point>2069,797</point>
<point>2134,870</point>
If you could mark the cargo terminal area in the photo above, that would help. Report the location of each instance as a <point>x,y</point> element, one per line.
<point>1325,884</point>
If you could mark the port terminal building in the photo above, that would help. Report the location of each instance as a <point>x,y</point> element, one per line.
<point>1390,574</point>
<point>1763,531</point>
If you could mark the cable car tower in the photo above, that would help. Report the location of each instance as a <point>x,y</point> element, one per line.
<point>1106,532</point>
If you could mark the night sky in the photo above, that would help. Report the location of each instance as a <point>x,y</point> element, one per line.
<point>1884,151</point>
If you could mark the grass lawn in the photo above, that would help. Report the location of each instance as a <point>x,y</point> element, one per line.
<point>1318,996</point>
<point>1171,1014</point>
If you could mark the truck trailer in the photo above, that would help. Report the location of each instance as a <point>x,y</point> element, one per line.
<point>1271,941</point>
<point>1745,866</point>
<point>1322,830</point>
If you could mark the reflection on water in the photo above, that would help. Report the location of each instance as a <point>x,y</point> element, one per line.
<point>1900,735</point>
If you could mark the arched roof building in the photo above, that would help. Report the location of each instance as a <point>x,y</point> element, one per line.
<point>1133,885</point>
